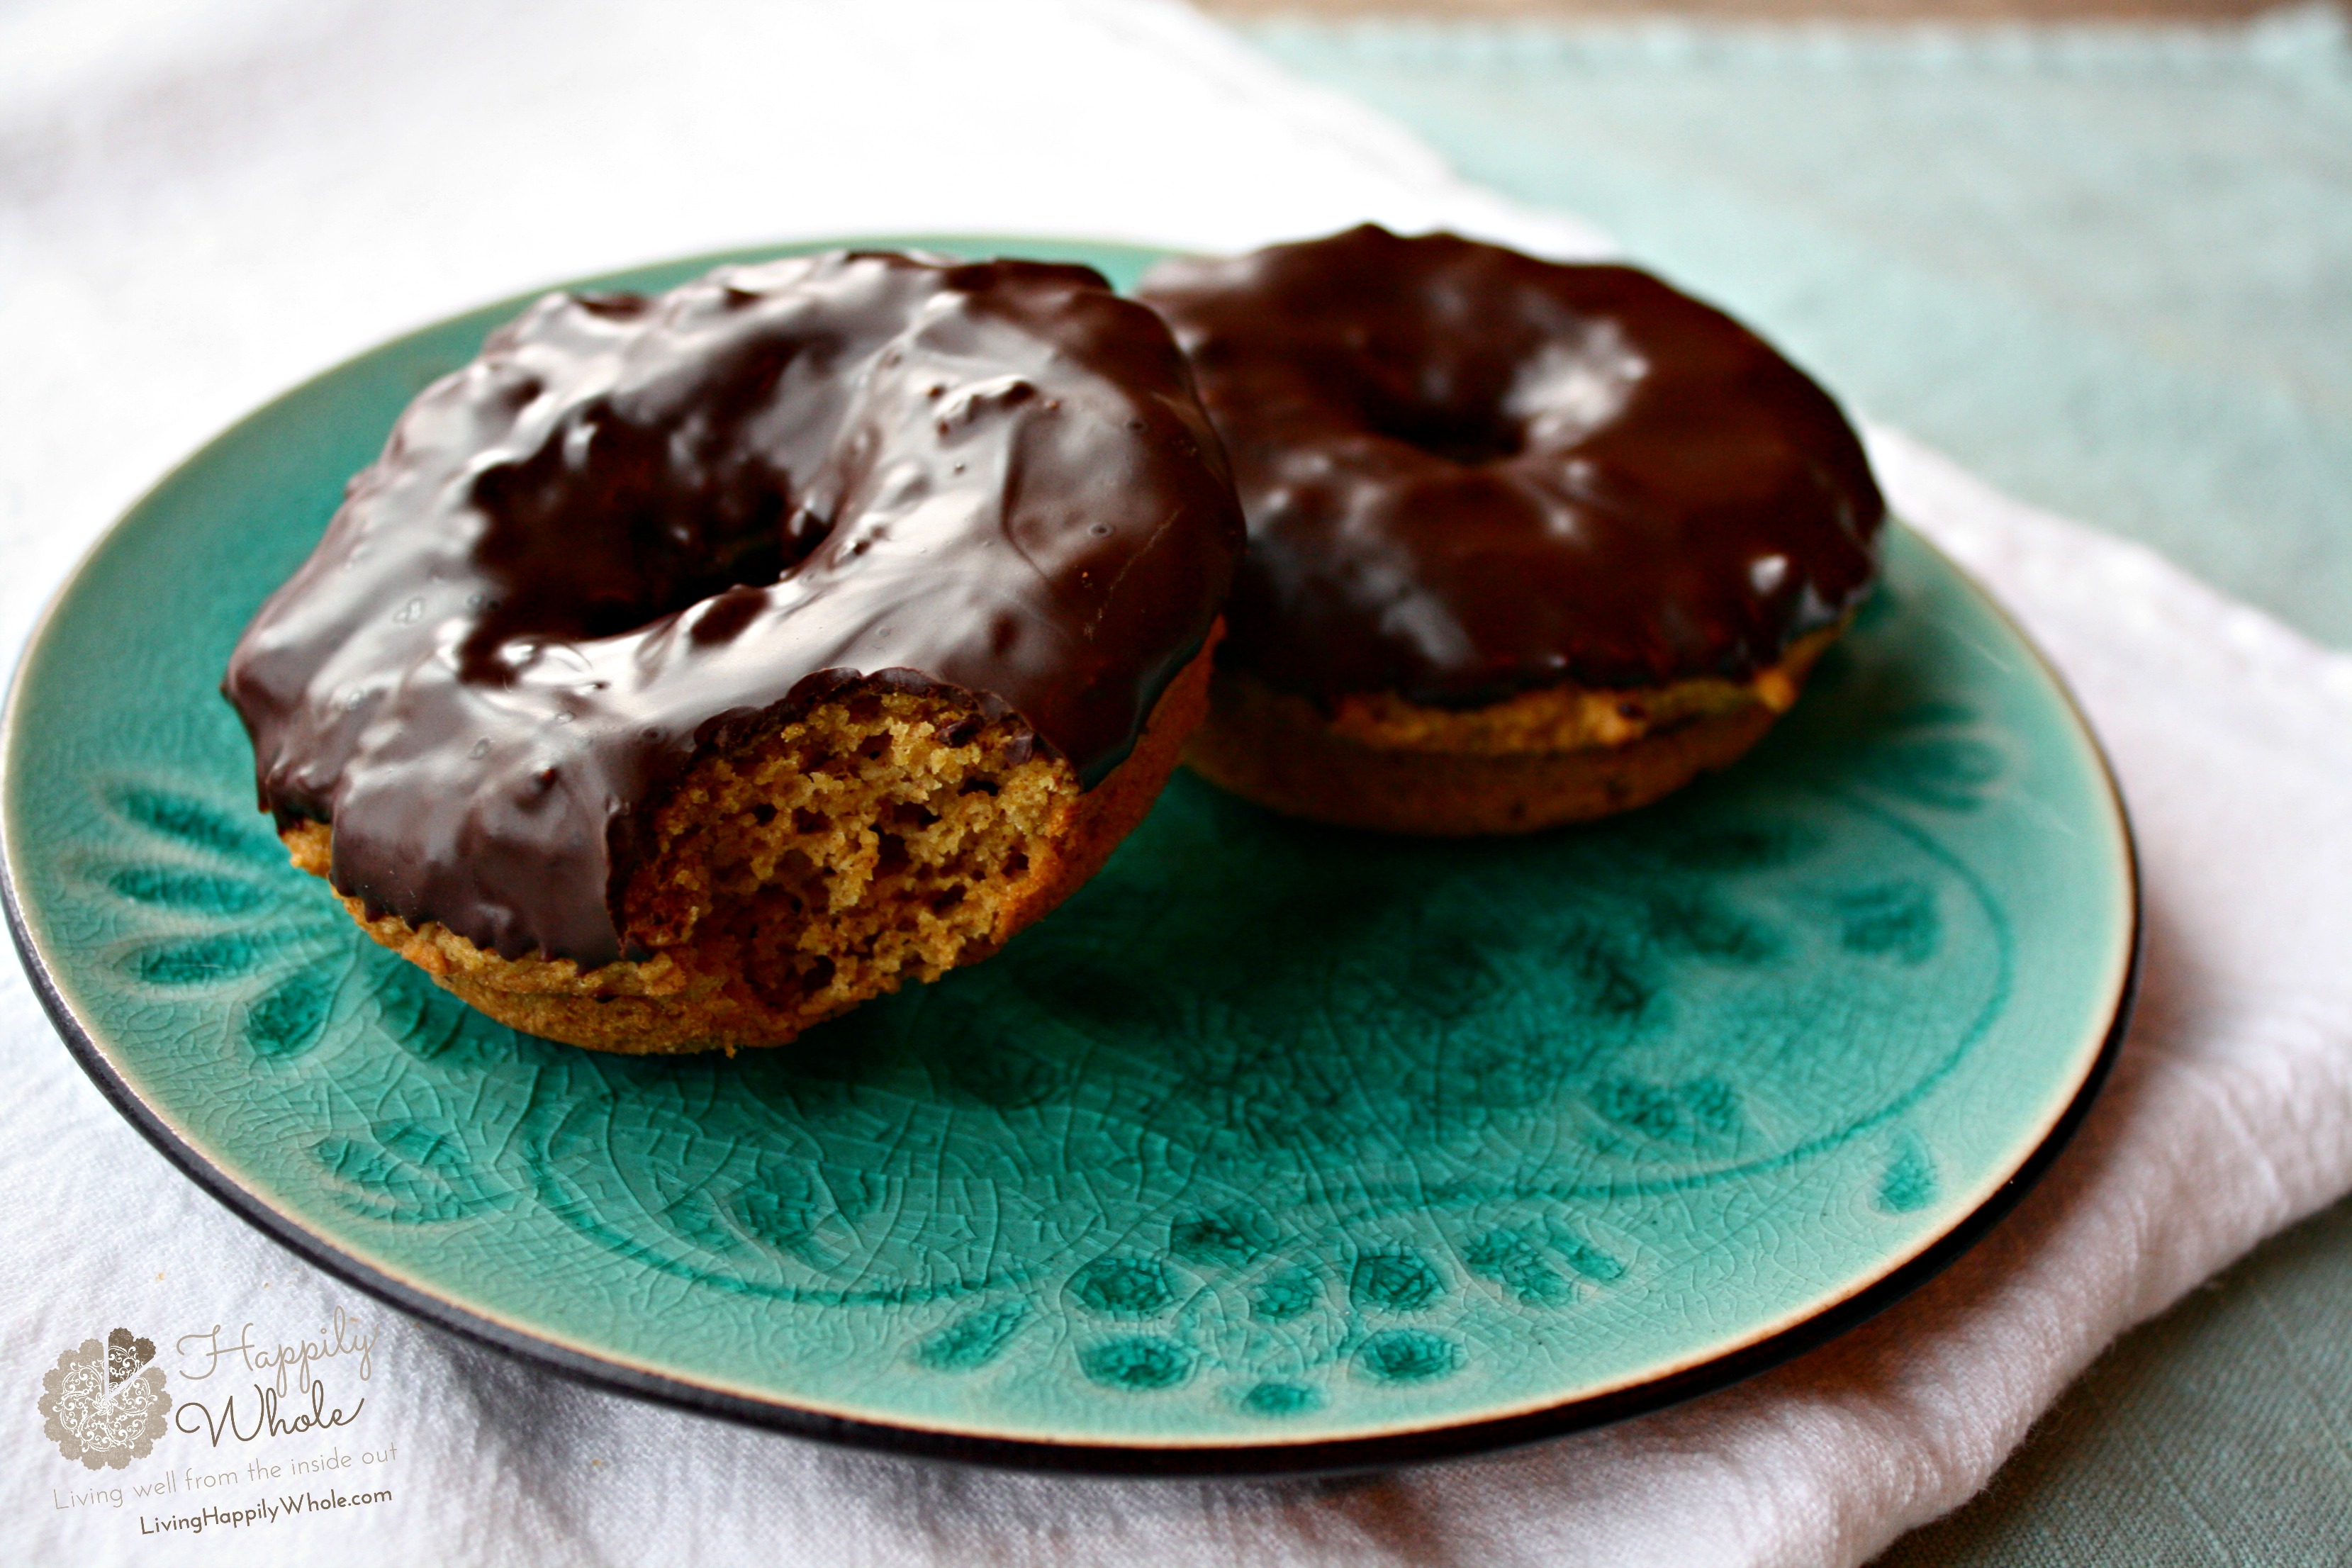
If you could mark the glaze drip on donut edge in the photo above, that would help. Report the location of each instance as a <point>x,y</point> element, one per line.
<point>636,527</point>
<point>1470,473</point>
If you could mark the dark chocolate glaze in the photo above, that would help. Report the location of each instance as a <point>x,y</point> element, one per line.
<point>637,527</point>
<point>1470,473</point>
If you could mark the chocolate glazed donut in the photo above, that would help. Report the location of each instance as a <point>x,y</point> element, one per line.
<point>968,521</point>
<point>1529,543</point>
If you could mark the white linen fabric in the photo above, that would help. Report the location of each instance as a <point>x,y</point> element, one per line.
<point>201,204</point>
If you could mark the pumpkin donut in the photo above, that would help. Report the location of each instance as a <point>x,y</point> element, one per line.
<point>690,668</point>
<point>1529,542</point>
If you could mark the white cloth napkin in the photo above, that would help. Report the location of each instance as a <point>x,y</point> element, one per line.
<point>201,204</point>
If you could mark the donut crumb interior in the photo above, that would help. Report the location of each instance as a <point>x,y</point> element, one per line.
<point>873,840</point>
<point>882,837</point>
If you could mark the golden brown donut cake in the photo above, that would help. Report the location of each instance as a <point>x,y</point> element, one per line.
<point>876,838</point>
<point>1529,542</point>
<point>690,668</point>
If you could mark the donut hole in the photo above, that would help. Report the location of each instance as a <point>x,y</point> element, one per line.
<point>597,494</point>
<point>1471,437</point>
<point>875,839</point>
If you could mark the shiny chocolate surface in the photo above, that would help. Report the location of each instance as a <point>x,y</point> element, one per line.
<point>1469,473</point>
<point>635,527</point>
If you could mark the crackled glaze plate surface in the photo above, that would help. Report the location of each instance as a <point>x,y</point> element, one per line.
<point>1275,1148</point>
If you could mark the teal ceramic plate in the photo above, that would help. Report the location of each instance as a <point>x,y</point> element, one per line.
<point>1274,1148</point>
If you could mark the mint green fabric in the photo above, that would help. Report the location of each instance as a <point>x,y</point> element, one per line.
<point>2219,1433</point>
<point>2110,269</point>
